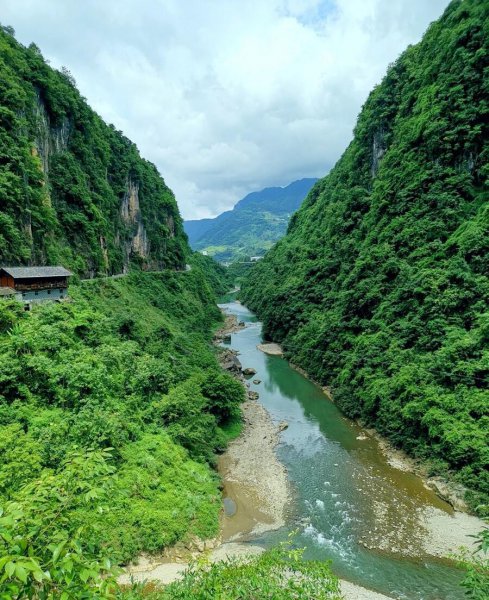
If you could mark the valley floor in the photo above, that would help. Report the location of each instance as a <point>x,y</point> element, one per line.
<point>256,483</point>
<point>257,497</point>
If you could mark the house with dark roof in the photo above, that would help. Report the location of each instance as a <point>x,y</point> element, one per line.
<point>34,284</point>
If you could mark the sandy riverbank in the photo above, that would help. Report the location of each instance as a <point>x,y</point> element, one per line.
<point>441,532</point>
<point>256,495</point>
<point>254,479</point>
<point>255,499</point>
<point>165,573</point>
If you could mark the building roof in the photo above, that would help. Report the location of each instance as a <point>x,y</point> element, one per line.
<point>6,291</point>
<point>36,272</point>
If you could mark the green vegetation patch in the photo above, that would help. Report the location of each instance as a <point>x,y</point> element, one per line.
<point>66,176</point>
<point>112,409</point>
<point>277,574</point>
<point>380,288</point>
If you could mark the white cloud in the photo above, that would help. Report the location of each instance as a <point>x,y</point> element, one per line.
<point>226,96</point>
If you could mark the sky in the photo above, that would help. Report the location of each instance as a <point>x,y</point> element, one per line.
<point>226,96</point>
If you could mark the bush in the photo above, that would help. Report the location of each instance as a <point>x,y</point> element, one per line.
<point>277,574</point>
<point>45,552</point>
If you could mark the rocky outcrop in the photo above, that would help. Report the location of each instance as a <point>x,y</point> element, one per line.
<point>49,139</point>
<point>378,150</point>
<point>105,254</point>
<point>249,372</point>
<point>137,243</point>
<point>230,362</point>
<point>451,492</point>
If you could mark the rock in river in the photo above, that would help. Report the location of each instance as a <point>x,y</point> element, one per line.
<point>249,371</point>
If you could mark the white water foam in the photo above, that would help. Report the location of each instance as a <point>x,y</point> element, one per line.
<point>338,546</point>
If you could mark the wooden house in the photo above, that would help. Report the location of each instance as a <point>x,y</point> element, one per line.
<point>35,284</point>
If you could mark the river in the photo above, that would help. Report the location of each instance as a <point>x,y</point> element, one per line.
<point>349,505</point>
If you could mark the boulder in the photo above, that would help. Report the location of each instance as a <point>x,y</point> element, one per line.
<point>249,371</point>
<point>256,381</point>
<point>283,425</point>
<point>230,362</point>
<point>451,492</point>
<point>253,395</point>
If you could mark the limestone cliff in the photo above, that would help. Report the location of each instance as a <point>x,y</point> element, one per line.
<point>73,189</point>
<point>136,243</point>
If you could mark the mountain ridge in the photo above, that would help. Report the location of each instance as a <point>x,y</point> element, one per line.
<point>266,213</point>
<point>380,288</point>
<point>74,190</point>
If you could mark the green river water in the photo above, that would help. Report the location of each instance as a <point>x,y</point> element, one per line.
<point>349,505</point>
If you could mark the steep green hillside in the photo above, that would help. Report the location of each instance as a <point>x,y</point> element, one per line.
<point>73,190</point>
<point>380,288</point>
<point>112,408</point>
<point>253,226</point>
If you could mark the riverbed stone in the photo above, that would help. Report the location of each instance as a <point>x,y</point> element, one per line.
<point>249,371</point>
<point>453,493</point>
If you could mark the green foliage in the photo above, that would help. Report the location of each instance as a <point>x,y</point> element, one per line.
<point>380,288</point>
<point>65,175</point>
<point>216,275</point>
<point>126,365</point>
<point>237,271</point>
<point>223,396</point>
<point>45,552</point>
<point>476,565</point>
<point>277,574</point>
<point>159,498</point>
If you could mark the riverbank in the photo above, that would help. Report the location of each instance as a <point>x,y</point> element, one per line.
<point>255,482</point>
<point>256,497</point>
<point>165,573</point>
<point>439,532</point>
<point>255,500</point>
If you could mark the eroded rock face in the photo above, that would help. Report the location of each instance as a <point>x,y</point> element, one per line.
<point>453,493</point>
<point>137,244</point>
<point>49,139</point>
<point>378,150</point>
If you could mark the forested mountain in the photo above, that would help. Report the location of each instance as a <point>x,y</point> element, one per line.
<point>253,226</point>
<point>380,288</point>
<point>112,404</point>
<point>74,190</point>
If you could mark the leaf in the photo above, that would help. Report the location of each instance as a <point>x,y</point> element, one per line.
<point>58,550</point>
<point>10,568</point>
<point>21,573</point>
<point>38,575</point>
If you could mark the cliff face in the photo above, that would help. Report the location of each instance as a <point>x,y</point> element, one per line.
<point>136,243</point>
<point>73,189</point>
<point>49,139</point>
<point>380,287</point>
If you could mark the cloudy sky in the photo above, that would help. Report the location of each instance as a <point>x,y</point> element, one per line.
<point>226,96</point>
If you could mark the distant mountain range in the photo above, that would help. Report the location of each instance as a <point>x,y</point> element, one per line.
<point>252,226</point>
